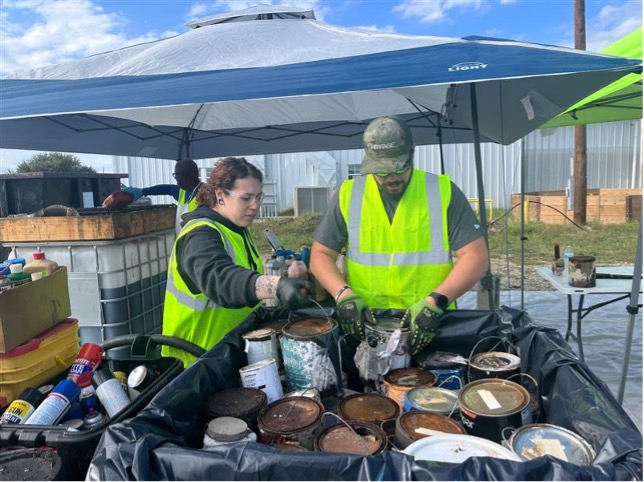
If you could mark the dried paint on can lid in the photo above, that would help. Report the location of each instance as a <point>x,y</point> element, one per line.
<point>494,397</point>
<point>368,407</point>
<point>234,402</point>
<point>289,415</point>
<point>359,438</point>
<point>433,399</point>
<point>410,377</point>
<point>495,361</point>
<point>309,327</point>
<point>540,439</point>
<point>418,424</point>
<point>260,334</point>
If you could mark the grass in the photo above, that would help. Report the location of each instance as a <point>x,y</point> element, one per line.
<point>611,244</point>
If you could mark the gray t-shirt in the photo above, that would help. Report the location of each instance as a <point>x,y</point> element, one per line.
<point>462,223</point>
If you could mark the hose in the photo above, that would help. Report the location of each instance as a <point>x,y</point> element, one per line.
<point>180,343</point>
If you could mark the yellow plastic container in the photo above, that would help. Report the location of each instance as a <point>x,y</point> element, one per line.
<point>38,360</point>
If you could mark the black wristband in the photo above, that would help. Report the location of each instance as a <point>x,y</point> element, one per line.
<point>339,293</point>
<point>442,302</point>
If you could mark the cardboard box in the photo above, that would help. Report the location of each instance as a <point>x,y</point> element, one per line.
<point>30,309</point>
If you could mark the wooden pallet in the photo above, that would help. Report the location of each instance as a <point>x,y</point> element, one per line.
<point>104,225</point>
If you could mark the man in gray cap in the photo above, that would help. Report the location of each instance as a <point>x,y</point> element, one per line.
<point>400,226</point>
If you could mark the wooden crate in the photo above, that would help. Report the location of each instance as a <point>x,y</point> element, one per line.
<point>104,225</point>
<point>604,206</point>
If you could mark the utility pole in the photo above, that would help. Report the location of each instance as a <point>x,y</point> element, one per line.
<point>580,155</point>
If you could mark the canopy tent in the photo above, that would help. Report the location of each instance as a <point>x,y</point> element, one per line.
<point>621,100</point>
<point>292,85</point>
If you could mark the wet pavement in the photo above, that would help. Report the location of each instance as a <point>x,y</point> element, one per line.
<point>604,332</point>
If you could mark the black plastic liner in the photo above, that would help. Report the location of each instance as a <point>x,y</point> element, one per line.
<point>163,441</point>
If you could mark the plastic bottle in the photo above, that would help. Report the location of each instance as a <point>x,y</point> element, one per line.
<point>567,254</point>
<point>40,264</point>
<point>56,404</point>
<point>109,391</point>
<point>23,406</point>
<point>297,268</point>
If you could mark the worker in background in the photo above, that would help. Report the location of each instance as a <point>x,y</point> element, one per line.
<point>215,275</point>
<point>186,173</point>
<point>399,226</point>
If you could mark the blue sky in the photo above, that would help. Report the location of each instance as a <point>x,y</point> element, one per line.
<point>38,33</point>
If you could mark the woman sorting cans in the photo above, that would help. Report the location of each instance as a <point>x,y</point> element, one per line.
<point>215,277</point>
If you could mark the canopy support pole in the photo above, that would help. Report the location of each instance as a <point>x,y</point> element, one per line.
<point>522,217</point>
<point>487,281</point>
<point>633,309</point>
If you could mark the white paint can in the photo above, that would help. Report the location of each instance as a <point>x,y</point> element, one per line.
<point>261,345</point>
<point>263,375</point>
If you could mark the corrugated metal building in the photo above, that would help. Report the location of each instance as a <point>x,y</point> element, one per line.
<point>614,161</point>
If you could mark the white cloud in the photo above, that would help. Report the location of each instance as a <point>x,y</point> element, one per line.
<point>435,11</point>
<point>612,23</point>
<point>58,31</point>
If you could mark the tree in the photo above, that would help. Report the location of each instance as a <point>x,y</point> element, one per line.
<point>53,162</point>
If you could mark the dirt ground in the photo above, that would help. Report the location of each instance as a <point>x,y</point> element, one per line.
<point>507,269</point>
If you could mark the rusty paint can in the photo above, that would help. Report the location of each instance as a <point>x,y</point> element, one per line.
<point>290,420</point>
<point>309,350</point>
<point>368,407</point>
<point>581,271</point>
<point>417,424</point>
<point>239,402</point>
<point>358,438</point>
<point>261,344</point>
<point>400,380</point>
<point>488,406</point>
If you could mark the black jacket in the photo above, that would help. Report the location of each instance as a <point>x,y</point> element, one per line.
<point>206,267</point>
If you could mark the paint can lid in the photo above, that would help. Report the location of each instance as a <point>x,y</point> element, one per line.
<point>368,407</point>
<point>260,334</point>
<point>494,397</point>
<point>410,377</point>
<point>308,327</point>
<point>433,399</point>
<point>457,448</point>
<point>235,402</point>
<point>539,439</point>
<point>418,424</point>
<point>227,429</point>
<point>495,361</point>
<point>292,414</point>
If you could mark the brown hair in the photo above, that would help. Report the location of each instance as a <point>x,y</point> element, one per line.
<point>224,175</point>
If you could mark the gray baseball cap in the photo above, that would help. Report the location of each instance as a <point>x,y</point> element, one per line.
<point>388,145</point>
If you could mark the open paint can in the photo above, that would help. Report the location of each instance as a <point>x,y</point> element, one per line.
<point>540,439</point>
<point>457,448</point>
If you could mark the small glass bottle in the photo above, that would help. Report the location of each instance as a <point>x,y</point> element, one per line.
<point>567,254</point>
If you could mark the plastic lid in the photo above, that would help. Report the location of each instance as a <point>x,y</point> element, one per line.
<point>15,268</point>
<point>39,255</point>
<point>101,376</point>
<point>68,389</point>
<point>32,396</point>
<point>227,429</point>
<point>21,261</point>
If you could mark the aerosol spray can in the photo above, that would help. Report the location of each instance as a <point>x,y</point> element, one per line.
<point>88,359</point>
<point>22,407</point>
<point>93,419</point>
<point>109,391</point>
<point>54,407</point>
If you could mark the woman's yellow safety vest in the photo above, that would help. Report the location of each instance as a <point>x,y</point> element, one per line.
<point>194,317</point>
<point>394,264</point>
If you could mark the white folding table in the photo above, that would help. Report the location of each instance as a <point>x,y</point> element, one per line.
<point>619,287</point>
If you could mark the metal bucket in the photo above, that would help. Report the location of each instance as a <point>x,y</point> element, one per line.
<point>492,364</point>
<point>457,448</point>
<point>539,439</point>
<point>382,350</point>
<point>264,376</point>
<point>489,406</point>
<point>240,402</point>
<point>433,399</point>
<point>416,424</point>
<point>308,345</point>
<point>261,344</point>
<point>290,420</point>
<point>401,380</point>
<point>368,407</point>
<point>358,438</point>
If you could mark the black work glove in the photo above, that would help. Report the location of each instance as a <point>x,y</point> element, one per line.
<point>352,314</point>
<point>294,293</point>
<point>423,319</point>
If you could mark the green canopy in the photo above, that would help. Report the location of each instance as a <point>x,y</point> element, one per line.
<point>621,100</point>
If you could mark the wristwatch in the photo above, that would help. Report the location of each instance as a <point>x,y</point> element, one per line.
<point>441,301</point>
